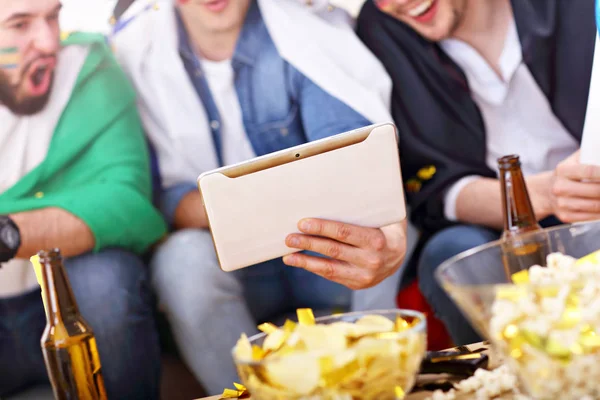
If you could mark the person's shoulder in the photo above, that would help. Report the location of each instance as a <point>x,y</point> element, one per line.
<point>367,12</point>
<point>100,72</point>
<point>96,45</point>
<point>82,38</point>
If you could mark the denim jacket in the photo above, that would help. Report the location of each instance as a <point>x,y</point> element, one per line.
<point>281,108</point>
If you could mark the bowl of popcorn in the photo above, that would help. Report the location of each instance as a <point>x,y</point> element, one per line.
<point>538,305</point>
<point>352,356</point>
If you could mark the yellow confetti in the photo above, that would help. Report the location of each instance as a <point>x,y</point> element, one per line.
<point>257,352</point>
<point>401,324</point>
<point>521,277</point>
<point>305,316</point>
<point>399,392</point>
<point>590,258</point>
<point>240,392</point>
<point>267,327</point>
<point>426,173</point>
<point>229,394</point>
<point>289,326</point>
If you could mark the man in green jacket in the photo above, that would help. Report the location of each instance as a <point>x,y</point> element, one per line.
<point>74,175</point>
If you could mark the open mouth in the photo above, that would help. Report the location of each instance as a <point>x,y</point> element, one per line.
<point>424,11</point>
<point>40,77</point>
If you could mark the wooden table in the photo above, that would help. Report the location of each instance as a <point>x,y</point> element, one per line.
<point>422,395</point>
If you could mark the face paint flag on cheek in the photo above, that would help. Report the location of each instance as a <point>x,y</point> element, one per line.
<point>9,58</point>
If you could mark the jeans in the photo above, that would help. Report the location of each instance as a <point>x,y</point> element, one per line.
<point>209,309</point>
<point>442,246</point>
<point>114,297</point>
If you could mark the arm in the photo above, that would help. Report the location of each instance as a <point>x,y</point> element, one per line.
<point>52,227</point>
<point>98,174</point>
<point>480,200</point>
<point>182,206</point>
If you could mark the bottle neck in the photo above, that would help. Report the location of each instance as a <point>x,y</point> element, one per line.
<point>58,296</point>
<point>517,208</point>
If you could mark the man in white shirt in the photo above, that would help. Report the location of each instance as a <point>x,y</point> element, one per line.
<point>220,82</point>
<point>475,80</point>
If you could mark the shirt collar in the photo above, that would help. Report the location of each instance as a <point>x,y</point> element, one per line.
<point>483,80</point>
<point>250,39</point>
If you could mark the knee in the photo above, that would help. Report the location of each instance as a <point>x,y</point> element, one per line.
<point>452,241</point>
<point>184,248</point>
<point>110,286</point>
<point>448,243</point>
<point>185,269</point>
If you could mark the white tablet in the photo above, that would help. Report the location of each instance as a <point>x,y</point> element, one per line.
<point>352,177</point>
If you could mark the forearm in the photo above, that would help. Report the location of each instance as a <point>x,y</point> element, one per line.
<point>190,212</point>
<point>480,201</point>
<point>52,228</point>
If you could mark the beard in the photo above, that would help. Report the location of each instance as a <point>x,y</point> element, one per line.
<point>9,94</point>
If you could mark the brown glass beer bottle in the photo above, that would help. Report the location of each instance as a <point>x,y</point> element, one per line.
<point>68,342</point>
<point>524,243</point>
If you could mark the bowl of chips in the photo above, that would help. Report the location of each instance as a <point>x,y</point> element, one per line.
<point>539,306</point>
<point>353,356</point>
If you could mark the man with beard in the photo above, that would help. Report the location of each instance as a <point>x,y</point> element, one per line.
<point>473,81</point>
<point>74,176</point>
<point>220,82</point>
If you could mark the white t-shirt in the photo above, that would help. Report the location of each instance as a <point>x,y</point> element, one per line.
<point>517,116</point>
<point>235,145</point>
<point>24,142</point>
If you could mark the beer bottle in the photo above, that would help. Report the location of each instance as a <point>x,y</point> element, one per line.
<point>68,342</point>
<point>524,243</point>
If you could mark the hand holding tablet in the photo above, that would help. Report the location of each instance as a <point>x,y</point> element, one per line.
<point>348,188</point>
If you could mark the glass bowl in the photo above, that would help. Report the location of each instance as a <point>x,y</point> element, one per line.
<point>544,327</point>
<point>323,363</point>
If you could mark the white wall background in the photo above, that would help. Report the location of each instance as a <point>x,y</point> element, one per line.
<point>93,15</point>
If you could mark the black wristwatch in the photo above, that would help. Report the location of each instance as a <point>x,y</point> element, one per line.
<point>10,239</point>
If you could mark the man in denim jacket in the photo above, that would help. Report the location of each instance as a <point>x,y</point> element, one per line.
<point>219,83</point>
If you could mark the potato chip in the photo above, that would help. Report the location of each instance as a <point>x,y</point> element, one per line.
<point>319,337</point>
<point>296,373</point>
<point>376,320</point>
<point>243,348</point>
<point>274,340</point>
